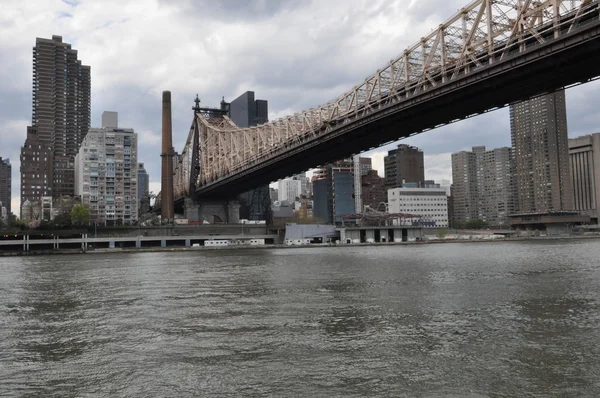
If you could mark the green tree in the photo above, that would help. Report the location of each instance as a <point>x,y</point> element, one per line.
<point>80,215</point>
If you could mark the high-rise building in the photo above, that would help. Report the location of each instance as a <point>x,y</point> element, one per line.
<point>5,185</point>
<point>540,144</point>
<point>404,165</point>
<point>365,164</point>
<point>464,177</point>
<point>36,169</point>
<point>373,190</point>
<point>584,157</point>
<point>60,120</point>
<point>483,185</point>
<point>289,190</point>
<point>143,184</point>
<point>106,171</point>
<point>245,111</point>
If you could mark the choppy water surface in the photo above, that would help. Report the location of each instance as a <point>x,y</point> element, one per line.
<point>497,319</point>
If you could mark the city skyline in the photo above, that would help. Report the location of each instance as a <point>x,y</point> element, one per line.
<point>120,83</point>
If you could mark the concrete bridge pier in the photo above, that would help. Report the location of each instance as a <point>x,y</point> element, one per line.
<point>213,211</point>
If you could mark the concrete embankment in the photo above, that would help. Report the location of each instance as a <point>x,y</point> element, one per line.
<point>267,247</point>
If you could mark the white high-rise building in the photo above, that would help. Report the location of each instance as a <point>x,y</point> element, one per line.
<point>429,203</point>
<point>106,170</point>
<point>289,189</point>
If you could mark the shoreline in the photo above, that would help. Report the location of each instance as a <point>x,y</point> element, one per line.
<point>130,250</point>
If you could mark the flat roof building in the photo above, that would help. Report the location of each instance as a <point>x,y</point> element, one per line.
<point>429,203</point>
<point>540,148</point>
<point>584,158</point>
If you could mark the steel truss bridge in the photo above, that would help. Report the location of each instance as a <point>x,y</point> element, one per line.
<point>490,54</point>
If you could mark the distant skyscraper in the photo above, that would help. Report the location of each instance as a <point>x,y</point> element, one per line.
<point>245,111</point>
<point>584,156</point>
<point>404,164</point>
<point>540,144</point>
<point>289,189</point>
<point>106,170</point>
<point>483,185</point>
<point>60,120</point>
<point>5,185</point>
<point>143,184</point>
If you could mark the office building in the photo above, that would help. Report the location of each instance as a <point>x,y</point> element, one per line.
<point>5,186</point>
<point>483,186</point>
<point>404,165</point>
<point>374,191</point>
<point>246,111</point>
<point>584,157</point>
<point>429,203</point>
<point>143,184</point>
<point>541,152</point>
<point>365,164</point>
<point>60,120</point>
<point>106,170</point>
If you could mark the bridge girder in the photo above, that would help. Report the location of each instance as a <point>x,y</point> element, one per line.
<point>482,34</point>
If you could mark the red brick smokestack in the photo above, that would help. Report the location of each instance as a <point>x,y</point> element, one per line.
<point>166,190</point>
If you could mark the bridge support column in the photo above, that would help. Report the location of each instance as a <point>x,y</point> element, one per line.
<point>191,210</point>
<point>215,212</point>
<point>233,212</point>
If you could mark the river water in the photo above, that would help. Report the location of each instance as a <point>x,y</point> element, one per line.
<point>480,319</point>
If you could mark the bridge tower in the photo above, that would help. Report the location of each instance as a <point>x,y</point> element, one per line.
<point>213,210</point>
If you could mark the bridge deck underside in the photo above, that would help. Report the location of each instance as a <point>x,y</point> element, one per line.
<point>570,60</point>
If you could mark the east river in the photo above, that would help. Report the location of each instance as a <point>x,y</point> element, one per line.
<point>476,320</point>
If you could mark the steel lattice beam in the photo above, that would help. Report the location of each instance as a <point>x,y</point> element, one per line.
<point>482,33</point>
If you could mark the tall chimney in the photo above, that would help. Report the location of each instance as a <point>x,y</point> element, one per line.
<point>167,206</point>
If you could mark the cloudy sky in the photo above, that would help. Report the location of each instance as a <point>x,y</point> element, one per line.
<point>294,53</point>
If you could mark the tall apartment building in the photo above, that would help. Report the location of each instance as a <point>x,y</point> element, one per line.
<point>60,120</point>
<point>106,171</point>
<point>483,185</point>
<point>404,164</point>
<point>36,169</point>
<point>143,184</point>
<point>5,185</point>
<point>540,144</point>
<point>429,203</point>
<point>289,189</point>
<point>584,157</point>
<point>246,111</point>
<point>464,177</point>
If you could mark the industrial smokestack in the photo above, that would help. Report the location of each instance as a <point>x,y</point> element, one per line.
<point>167,206</point>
